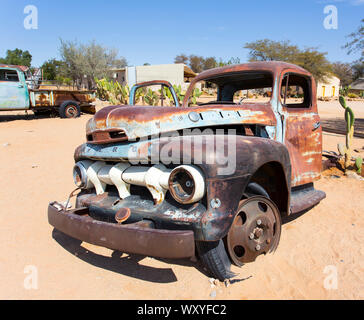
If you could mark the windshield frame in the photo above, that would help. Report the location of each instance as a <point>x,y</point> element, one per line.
<point>222,74</point>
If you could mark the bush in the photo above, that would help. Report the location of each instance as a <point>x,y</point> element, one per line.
<point>352,95</point>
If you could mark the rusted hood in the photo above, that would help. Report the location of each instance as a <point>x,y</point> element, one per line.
<point>142,121</point>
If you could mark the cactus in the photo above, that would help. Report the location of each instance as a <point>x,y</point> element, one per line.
<point>350,119</point>
<point>359,164</point>
<point>195,94</point>
<point>151,98</point>
<point>179,93</point>
<point>111,91</point>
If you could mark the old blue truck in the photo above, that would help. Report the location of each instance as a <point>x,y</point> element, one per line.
<point>16,94</point>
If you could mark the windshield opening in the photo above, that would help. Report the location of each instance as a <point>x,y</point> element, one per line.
<point>234,88</point>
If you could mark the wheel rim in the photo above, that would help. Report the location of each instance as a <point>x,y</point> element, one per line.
<point>71,112</point>
<point>256,230</point>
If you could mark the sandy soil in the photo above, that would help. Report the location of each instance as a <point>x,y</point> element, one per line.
<point>36,167</point>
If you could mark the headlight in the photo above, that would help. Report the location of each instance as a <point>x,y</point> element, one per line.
<point>80,174</point>
<point>186,184</point>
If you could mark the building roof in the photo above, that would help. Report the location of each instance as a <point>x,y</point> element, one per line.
<point>358,84</point>
<point>188,72</point>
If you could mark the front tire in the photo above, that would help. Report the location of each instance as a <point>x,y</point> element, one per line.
<point>217,256</point>
<point>215,259</point>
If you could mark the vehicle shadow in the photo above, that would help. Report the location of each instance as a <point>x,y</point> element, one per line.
<point>15,117</point>
<point>295,216</point>
<point>127,265</point>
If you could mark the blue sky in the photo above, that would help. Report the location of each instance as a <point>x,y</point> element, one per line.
<point>156,31</point>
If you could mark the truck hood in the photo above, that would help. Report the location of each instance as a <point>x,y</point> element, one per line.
<point>142,121</point>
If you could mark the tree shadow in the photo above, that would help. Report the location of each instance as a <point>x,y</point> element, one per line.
<point>127,265</point>
<point>338,125</point>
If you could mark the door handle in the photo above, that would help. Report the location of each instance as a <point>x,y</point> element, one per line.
<point>20,86</point>
<point>316,125</point>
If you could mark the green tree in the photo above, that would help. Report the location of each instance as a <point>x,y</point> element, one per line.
<point>308,58</point>
<point>196,63</point>
<point>358,69</point>
<point>209,63</point>
<point>88,61</point>
<point>344,72</point>
<point>356,42</point>
<point>231,61</point>
<point>52,69</point>
<point>17,57</point>
<point>182,58</point>
<point>199,63</point>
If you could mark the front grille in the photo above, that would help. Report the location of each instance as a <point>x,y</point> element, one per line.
<point>101,137</point>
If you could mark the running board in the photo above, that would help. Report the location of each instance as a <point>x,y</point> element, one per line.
<point>305,197</point>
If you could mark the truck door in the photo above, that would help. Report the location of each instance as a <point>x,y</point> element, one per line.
<point>302,132</point>
<point>14,93</point>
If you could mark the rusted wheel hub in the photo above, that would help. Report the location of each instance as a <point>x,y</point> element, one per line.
<point>256,230</point>
<point>71,111</point>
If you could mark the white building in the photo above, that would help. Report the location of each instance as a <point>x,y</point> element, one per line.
<point>328,88</point>
<point>176,74</point>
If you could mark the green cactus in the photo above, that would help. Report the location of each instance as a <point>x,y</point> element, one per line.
<point>350,119</point>
<point>179,93</point>
<point>112,91</point>
<point>195,94</point>
<point>359,164</point>
<point>151,98</point>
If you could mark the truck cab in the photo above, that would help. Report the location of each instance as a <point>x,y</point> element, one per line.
<point>14,93</point>
<point>214,178</point>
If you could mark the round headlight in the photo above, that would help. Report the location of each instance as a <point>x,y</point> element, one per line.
<point>80,175</point>
<point>186,184</point>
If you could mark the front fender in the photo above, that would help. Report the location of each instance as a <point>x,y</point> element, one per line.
<point>227,161</point>
<point>226,182</point>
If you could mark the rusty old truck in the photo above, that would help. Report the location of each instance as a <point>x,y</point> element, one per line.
<point>214,178</point>
<point>15,94</point>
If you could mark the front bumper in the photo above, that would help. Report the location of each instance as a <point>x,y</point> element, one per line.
<point>130,238</point>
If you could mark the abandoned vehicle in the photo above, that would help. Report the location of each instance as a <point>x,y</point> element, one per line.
<point>213,178</point>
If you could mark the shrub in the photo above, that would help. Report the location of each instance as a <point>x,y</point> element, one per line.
<point>352,95</point>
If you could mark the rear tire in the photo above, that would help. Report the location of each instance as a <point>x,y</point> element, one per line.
<point>214,254</point>
<point>69,109</point>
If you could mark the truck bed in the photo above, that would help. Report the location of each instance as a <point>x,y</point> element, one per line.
<point>55,97</point>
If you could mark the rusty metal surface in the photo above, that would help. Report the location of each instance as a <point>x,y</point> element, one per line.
<point>162,83</point>
<point>142,121</point>
<point>131,238</point>
<point>20,68</point>
<point>254,153</point>
<point>305,198</point>
<point>294,127</point>
<point>290,156</point>
<point>50,97</point>
<point>302,137</point>
<point>256,230</point>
